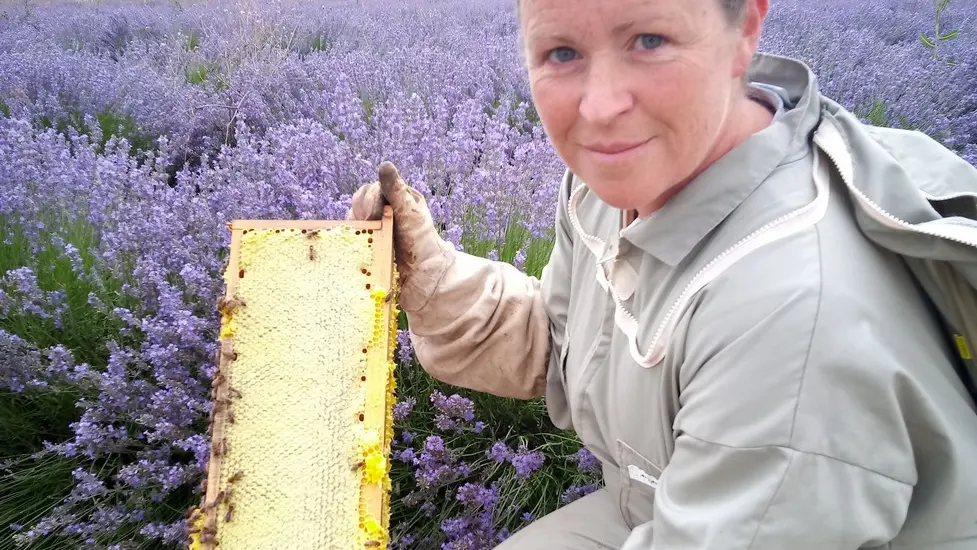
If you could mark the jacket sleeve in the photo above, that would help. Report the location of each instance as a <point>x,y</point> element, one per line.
<point>492,328</point>
<point>790,430</point>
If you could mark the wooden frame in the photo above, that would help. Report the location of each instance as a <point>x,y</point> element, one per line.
<point>374,497</point>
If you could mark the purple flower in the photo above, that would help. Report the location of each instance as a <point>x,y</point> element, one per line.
<point>474,495</point>
<point>475,526</point>
<point>577,491</point>
<point>520,260</point>
<point>436,465</point>
<point>125,148</point>
<point>500,452</point>
<point>405,349</point>
<point>403,408</point>
<point>526,462</point>
<point>454,413</point>
<point>587,462</point>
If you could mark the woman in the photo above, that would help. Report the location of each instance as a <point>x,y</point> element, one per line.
<point>799,396</point>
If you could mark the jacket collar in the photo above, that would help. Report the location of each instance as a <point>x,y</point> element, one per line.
<point>673,231</point>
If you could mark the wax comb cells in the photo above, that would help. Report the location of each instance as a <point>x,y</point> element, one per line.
<point>303,399</point>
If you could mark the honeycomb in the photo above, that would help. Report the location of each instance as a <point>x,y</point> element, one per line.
<point>303,399</point>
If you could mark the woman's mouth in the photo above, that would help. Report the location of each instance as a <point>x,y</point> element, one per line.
<point>615,151</point>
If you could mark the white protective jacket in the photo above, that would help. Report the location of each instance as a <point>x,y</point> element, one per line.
<point>750,369</point>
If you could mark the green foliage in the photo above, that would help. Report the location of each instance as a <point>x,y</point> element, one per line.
<point>199,74</point>
<point>509,420</point>
<point>877,113</point>
<point>321,43</point>
<point>31,487</point>
<point>33,483</point>
<point>84,330</point>
<point>192,43</point>
<point>939,35</point>
<point>111,123</point>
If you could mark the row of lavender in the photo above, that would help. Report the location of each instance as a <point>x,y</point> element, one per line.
<point>109,267</point>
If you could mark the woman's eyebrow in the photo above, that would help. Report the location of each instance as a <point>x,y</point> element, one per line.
<point>621,28</point>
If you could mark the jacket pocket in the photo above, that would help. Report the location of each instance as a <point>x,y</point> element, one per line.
<point>639,482</point>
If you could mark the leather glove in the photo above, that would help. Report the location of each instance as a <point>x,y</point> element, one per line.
<point>421,254</point>
<point>474,323</point>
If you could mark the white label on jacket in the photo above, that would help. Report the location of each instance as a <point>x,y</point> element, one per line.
<point>638,474</point>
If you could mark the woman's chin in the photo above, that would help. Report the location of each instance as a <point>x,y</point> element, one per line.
<point>616,195</point>
<point>628,190</point>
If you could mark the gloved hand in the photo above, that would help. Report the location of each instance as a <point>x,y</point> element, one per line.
<point>421,254</point>
<point>474,323</point>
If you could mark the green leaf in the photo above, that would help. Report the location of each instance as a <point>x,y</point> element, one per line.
<point>926,41</point>
<point>950,35</point>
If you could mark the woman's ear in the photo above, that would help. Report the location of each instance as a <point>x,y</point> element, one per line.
<point>748,34</point>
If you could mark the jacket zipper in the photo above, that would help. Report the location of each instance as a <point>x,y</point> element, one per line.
<point>629,323</point>
<point>572,209</point>
<point>830,140</point>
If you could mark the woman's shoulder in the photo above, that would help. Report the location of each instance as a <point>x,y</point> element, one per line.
<point>795,249</point>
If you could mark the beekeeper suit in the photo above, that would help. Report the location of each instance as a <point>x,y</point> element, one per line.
<point>750,370</point>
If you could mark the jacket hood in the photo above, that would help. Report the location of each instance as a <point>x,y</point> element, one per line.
<point>904,182</point>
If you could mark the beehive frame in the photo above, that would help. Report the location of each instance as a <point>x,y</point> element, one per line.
<point>366,266</point>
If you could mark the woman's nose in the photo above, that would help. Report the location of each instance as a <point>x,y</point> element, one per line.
<point>605,95</point>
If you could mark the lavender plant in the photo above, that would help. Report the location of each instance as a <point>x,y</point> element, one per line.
<point>130,136</point>
<point>939,36</point>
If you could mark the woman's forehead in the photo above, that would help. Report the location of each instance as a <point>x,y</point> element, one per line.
<point>543,17</point>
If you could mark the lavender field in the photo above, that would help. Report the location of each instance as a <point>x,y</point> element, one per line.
<point>131,133</point>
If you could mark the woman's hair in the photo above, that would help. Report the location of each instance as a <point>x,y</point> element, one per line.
<point>734,10</point>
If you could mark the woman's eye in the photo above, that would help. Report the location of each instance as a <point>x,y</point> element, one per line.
<point>650,41</point>
<point>562,55</point>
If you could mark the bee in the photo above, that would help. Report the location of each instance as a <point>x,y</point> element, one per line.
<point>389,297</point>
<point>227,305</point>
<point>236,477</point>
<point>235,394</point>
<point>216,502</point>
<point>220,449</point>
<point>221,403</point>
<point>230,417</point>
<point>372,543</point>
<point>311,253</point>
<point>192,514</point>
<point>229,514</point>
<point>357,466</point>
<point>218,380</point>
<point>312,234</point>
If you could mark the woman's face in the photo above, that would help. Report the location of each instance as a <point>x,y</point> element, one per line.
<point>638,96</point>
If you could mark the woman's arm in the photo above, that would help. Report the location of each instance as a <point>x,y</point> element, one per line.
<point>486,326</point>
